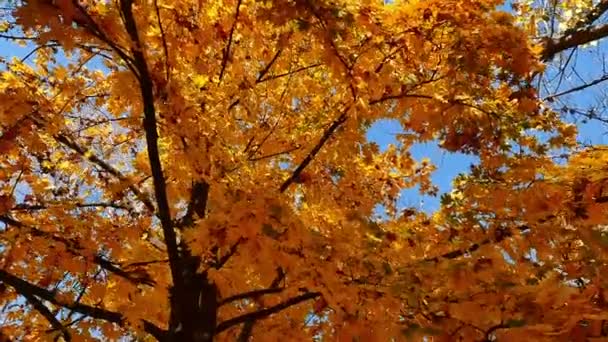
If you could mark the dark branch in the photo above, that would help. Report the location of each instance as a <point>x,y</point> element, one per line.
<point>407,94</point>
<point>274,77</point>
<point>250,294</point>
<point>27,289</point>
<point>500,234</point>
<point>83,290</point>
<point>578,88</point>
<point>271,155</point>
<point>106,167</point>
<point>248,326</point>
<point>557,45</point>
<point>258,293</point>
<point>220,262</point>
<point>264,313</point>
<point>226,55</point>
<point>144,263</point>
<point>403,95</point>
<point>328,133</point>
<point>150,128</point>
<point>27,207</point>
<point>91,26</point>
<point>140,277</point>
<point>74,248</point>
<point>164,40</point>
<point>197,205</point>
<point>489,334</point>
<point>44,311</point>
<point>590,17</point>
<point>268,66</point>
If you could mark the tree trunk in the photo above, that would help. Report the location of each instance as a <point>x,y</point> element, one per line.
<point>194,312</point>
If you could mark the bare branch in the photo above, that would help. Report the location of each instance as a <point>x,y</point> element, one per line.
<point>220,262</point>
<point>197,205</point>
<point>271,155</point>
<point>164,40</point>
<point>250,294</point>
<point>32,207</point>
<point>402,95</point>
<point>257,293</point>
<point>578,88</point>
<point>500,234</point>
<point>489,334</point>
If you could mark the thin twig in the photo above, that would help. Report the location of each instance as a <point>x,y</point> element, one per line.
<point>226,55</point>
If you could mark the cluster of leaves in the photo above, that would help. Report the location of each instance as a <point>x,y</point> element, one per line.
<point>199,170</point>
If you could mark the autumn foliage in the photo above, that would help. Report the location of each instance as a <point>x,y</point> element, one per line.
<point>199,170</point>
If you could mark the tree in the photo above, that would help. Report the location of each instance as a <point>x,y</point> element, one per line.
<point>191,171</point>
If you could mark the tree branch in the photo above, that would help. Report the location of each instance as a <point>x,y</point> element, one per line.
<point>565,42</point>
<point>590,17</point>
<point>500,234</point>
<point>27,289</point>
<point>264,313</point>
<point>250,294</point>
<point>106,167</point>
<point>271,155</point>
<point>220,262</point>
<point>268,66</point>
<point>74,248</point>
<point>248,326</point>
<point>150,128</point>
<point>197,205</point>
<point>274,77</point>
<point>226,55</point>
<point>164,40</point>
<point>32,207</point>
<point>328,133</point>
<point>578,88</point>
<point>44,311</point>
<point>489,334</point>
<point>257,293</point>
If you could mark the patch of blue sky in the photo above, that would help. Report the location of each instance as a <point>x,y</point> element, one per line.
<point>449,165</point>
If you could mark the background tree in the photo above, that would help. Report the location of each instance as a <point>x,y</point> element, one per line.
<point>191,170</point>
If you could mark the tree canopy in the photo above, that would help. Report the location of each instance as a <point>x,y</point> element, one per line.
<point>200,170</point>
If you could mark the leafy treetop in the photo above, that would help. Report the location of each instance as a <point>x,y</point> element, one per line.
<point>198,170</point>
